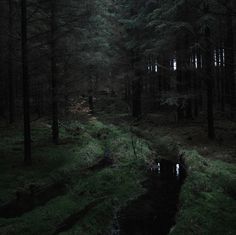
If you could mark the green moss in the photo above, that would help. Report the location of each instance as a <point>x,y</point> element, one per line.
<point>207,197</point>
<point>117,184</point>
<point>41,220</point>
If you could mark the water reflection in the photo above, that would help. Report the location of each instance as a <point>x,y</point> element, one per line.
<point>167,168</point>
<point>154,212</point>
<point>177,170</point>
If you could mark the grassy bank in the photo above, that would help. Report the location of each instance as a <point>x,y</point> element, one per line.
<point>207,199</point>
<point>92,194</point>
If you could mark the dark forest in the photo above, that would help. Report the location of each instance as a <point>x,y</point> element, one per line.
<point>118,117</point>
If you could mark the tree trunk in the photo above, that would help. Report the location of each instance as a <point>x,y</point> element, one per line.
<point>10,65</point>
<point>199,79</point>
<point>209,83</point>
<point>222,78</point>
<point>25,79</point>
<point>136,95</point>
<point>195,83</point>
<point>91,104</point>
<point>55,126</point>
<point>229,61</point>
<point>179,85</point>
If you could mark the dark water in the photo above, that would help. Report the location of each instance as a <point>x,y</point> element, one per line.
<point>154,213</point>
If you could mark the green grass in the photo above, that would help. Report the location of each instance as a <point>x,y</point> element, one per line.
<point>117,184</point>
<point>47,159</point>
<point>207,197</point>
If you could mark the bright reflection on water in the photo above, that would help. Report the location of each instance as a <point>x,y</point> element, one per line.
<point>157,168</point>
<point>177,169</point>
<point>154,212</point>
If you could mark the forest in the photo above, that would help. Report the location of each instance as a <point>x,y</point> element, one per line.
<point>118,117</point>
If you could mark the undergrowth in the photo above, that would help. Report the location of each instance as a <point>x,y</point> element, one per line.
<point>82,145</point>
<point>207,199</point>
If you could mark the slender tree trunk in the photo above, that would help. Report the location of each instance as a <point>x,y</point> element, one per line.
<point>179,86</point>
<point>25,78</point>
<point>195,84</point>
<point>55,126</point>
<point>136,95</point>
<point>217,74</point>
<point>91,103</point>
<point>198,80</point>
<point>222,78</point>
<point>229,62</point>
<point>209,82</point>
<point>188,81</point>
<point>10,65</point>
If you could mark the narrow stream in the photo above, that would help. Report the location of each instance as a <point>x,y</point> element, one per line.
<point>154,212</point>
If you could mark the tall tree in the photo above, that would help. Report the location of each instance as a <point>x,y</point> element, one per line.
<point>208,66</point>
<point>55,127</point>
<point>25,79</point>
<point>209,83</point>
<point>10,62</point>
<point>230,57</point>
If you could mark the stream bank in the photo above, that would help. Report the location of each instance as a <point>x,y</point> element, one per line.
<point>154,212</point>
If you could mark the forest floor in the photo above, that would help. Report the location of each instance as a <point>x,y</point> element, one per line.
<point>74,187</point>
<point>208,196</point>
<point>77,186</point>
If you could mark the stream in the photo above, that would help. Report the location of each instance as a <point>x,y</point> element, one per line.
<point>154,212</point>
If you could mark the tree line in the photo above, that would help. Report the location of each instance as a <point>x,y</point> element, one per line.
<point>52,52</point>
<point>185,51</point>
<point>158,54</point>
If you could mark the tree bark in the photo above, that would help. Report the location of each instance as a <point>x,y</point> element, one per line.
<point>229,61</point>
<point>91,104</point>
<point>222,78</point>
<point>136,95</point>
<point>55,126</point>
<point>209,83</point>
<point>10,65</point>
<point>25,79</point>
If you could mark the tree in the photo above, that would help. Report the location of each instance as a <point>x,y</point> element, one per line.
<point>230,57</point>
<point>188,53</point>
<point>55,127</point>
<point>10,62</point>
<point>209,78</point>
<point>25,79</point>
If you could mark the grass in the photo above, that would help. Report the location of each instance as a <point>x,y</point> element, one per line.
<point>207,199</point>
<point>81,148</point>
<point>47,159</point>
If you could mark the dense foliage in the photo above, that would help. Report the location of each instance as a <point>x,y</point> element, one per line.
<point>142,64</point>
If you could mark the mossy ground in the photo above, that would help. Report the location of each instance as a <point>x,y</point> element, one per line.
<point>207,199</point>
<point>82,145</point>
